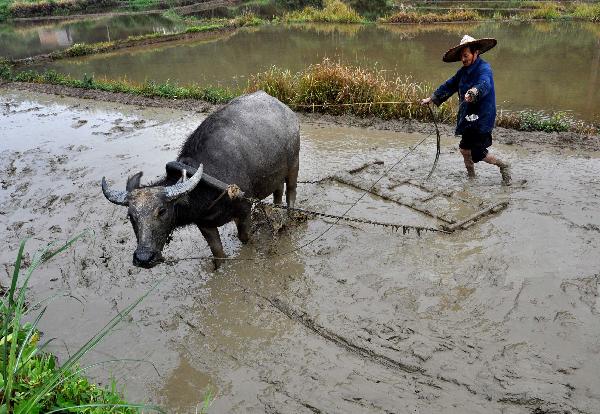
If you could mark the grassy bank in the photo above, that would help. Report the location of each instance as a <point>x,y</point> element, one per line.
<point>149,88</point>
<point>328,87</point>
<point>40,8</point>
<point>195,28</point>
<point>32,380</point>
<point>448,16</point>
<point>334,11</point>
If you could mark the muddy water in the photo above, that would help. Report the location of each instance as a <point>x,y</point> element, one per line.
<point>550,66</point>
<point>22,40</point>
<point>501,317</point>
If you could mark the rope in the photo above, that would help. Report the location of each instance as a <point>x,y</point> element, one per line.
<point>438,150</point>
<point>405,227</point>
<point>323,105</point>
<point>336,218</point>
<point>343,216</point>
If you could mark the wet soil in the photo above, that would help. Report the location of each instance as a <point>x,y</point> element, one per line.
<point>499,318</point>
<point>570,140</point>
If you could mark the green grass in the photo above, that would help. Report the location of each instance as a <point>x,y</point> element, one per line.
<point>334,11</point>
<point>328,87</point>
<point>586,11</point>
<point>449,16</point>
<point>151,89</point>
<point>31,381</point>
<point>338,89</point>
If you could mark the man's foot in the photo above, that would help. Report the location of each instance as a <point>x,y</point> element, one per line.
<point>471,172</point>
<point>505,171</point>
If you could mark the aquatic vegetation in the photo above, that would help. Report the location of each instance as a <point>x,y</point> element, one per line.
<point>416,17</point>
<point>246,19</point>
<point>587,11</point>
<point>32,381</point>
<point>334,11</point>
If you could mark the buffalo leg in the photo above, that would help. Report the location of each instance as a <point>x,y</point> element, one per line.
<point>291,182</point>
<point>278,195</point>
<point>211,234</point>
<point>242,222</point>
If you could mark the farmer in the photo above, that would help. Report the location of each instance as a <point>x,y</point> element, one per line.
<point>474,83</point>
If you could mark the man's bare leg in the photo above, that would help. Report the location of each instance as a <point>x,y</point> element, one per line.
<point>466,153</point>
<point>504,167</point>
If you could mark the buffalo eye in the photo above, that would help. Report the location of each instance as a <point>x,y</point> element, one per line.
<point>161,212</point>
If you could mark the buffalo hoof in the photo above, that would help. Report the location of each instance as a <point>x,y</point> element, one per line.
<point>217,262</point>
<point>244,237</point>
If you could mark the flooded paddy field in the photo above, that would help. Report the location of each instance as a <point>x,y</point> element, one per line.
<point>501,317</point>
<point>529,63</point>
<point>21,40</point>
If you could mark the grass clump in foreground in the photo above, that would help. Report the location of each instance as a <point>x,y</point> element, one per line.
<point>338,89</point>
<point>31,380</point>
<point>334,11</point>
<point>449,16</point>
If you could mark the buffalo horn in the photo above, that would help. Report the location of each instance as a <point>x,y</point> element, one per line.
<point>114,196</point>
<point>184,187</point>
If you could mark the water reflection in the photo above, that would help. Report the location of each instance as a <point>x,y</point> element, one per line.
<point>23,40</point>
<point>552,66</point>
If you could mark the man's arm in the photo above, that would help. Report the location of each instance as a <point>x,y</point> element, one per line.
<point>482,86</point>
<point>446,90</point>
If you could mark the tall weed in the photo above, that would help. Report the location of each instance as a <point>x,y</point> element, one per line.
<point>31,381</point>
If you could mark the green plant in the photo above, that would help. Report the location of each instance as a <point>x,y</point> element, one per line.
<point>547,11</point>
<point>31,381</point>
<point>587,11</point>
<point>449,16</point>
<point>539,121</point>
<point>335,11</point>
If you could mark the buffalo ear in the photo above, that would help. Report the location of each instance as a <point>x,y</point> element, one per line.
<point>133,182</point>
<point>182,201</point>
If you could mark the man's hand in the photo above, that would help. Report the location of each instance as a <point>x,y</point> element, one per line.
<point>425,101</point>
<point>471,95</point>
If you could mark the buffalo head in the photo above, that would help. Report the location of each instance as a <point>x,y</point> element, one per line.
<point>152,212</point>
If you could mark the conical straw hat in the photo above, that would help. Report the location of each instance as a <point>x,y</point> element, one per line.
<point>483,45</point>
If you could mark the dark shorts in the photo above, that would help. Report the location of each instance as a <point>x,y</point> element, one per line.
<point>477,142</point>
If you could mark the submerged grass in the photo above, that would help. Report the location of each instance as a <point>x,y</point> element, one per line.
<point>31,380</point>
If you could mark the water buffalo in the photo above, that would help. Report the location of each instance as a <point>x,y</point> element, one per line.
<point>253,142</point>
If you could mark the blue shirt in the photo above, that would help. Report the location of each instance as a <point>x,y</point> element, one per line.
<point>478,75</point>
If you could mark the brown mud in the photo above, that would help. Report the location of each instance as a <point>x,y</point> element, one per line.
<point>565,140</point>
<point>499,318</point>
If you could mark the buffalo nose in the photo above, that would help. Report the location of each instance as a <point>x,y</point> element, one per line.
<point>143,257</point>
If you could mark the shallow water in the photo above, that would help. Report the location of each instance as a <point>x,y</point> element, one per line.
<point>20,40</point>
<point>501,317</point>
<point>548,66</point>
